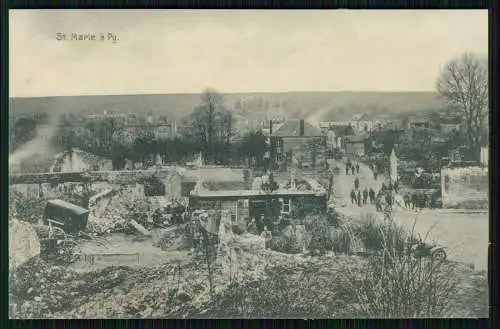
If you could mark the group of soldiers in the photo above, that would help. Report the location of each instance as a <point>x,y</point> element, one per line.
<point>420,200</point>
<point>361,197</point>
<point>350,167</point>
<point>382,199</point>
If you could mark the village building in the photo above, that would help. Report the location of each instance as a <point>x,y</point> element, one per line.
<point>244,204</point>
<point>356,145</point>
<point>337,136</point>
<point>361,123</point>
<point>270,125</point>
<point>418,123</point>
<point>292,135</point>
<point>450,127</point>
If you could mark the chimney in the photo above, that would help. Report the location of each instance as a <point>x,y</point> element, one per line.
<point>270,127</point>
<point>247,178</point>
<point>301,127</point>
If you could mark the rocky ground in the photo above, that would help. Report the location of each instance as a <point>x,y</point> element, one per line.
<point>249,282</point>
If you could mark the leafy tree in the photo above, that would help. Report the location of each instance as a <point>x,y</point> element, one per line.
<point>104,137</point>
<point>143,148</point>
<point>24,130</point>
<point>383,141</point>
<point>65,136</point>
<point>253,146</point>
<point>314,148</point>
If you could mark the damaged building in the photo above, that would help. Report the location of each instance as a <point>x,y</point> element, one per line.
<point>245,203</point>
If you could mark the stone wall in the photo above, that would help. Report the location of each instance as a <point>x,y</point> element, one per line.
<point>465,187</point>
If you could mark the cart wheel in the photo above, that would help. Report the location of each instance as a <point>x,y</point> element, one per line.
<point>439,254</point>
<point>74,255</point>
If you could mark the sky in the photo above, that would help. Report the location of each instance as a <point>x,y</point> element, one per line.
<point>186,51</point>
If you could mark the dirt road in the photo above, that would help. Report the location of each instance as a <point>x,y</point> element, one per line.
<point>463,233</point>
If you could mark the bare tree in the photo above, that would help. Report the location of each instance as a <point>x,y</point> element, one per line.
<point>463,85</point>
<point>210,125</point>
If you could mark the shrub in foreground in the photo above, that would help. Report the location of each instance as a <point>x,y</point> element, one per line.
<point>396,284</point>
<point>287,243</point>
<point>377,236</point>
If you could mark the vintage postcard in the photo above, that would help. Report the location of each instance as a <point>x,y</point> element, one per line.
<point>251,163</point>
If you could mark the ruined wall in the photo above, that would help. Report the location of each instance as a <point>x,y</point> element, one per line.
<point>23,243</point>
<point>81,161</point>
<point>465,187</point>
<point>29,184</point>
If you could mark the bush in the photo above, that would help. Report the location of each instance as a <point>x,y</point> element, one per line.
<point>333,217</point>
<point>396,284</point>
<point>289,244</point>
<point>321,237</point>
<point>341,241</point>
<point>377,236</point>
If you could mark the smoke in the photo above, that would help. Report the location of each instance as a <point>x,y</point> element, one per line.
<point>37,152</point>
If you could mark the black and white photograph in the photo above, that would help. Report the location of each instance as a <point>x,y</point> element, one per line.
<point>296,164</point>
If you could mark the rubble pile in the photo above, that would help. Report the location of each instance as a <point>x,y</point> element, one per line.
<point>24,208</point>
<point>39,289</point>
<point>23,243</point>
<point>122,207</point>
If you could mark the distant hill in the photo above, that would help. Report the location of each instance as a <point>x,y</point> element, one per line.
<point>255,106</point>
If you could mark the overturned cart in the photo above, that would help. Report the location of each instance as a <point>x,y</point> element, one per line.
<point>58,227</point>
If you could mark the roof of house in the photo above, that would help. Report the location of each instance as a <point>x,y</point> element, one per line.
<point>342,131</point>
<point>291,128</point>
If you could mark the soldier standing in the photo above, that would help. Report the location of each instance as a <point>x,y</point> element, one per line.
<point>353,196</point>
<point>365,195</point>
<point>372,195</point>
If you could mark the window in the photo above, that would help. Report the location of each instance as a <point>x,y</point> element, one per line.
<point>285,205</point>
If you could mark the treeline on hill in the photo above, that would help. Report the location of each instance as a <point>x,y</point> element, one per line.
<point>259,107</point>
<point>208,129</point>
